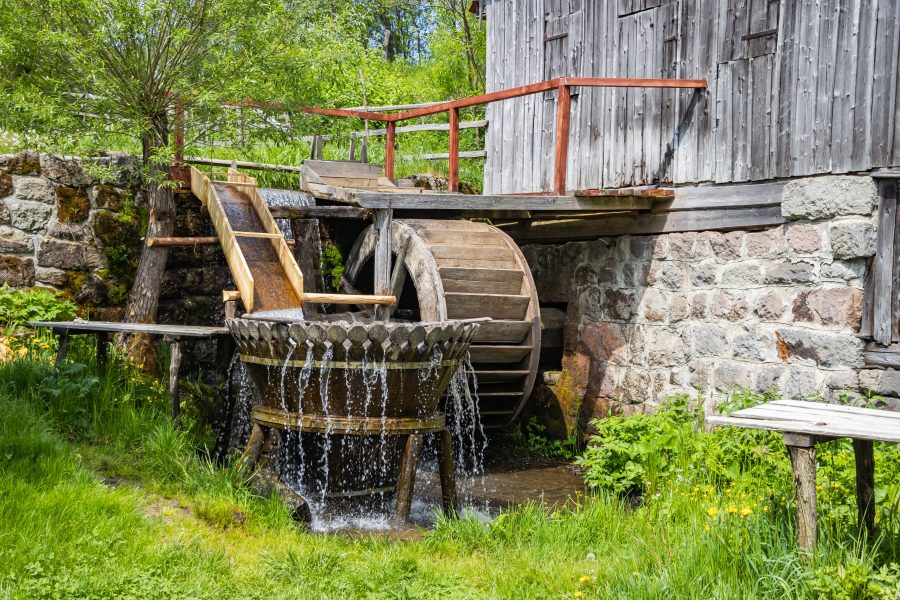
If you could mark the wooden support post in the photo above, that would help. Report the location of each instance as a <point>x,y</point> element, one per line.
<point>407,478</point>
<point>453,173</point>
<point>307,253</point>
<point>102,348</point>
<point>883,267</point>
<point>63,349</point>
<point>802,449</point>
<point>447,473</point>
<point>563,109</point>
<point>255,443</point>
<point>382,218</point>
<point>179,132</point>
<point>389,149</point>
<point>398,275</point>
<point>174,367</point>
<point>865,484</point>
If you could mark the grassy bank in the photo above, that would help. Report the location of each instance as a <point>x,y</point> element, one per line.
<point>101,497</point>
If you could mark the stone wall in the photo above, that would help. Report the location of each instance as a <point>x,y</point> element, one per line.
<point>706,313</point>
<point>61,228</point>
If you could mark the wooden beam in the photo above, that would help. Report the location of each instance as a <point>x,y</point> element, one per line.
<point>181,241</point>
<point>241,164</point>
<point>381,300</point>
<point>319,212</point>
<point>383,252</point>
<point>803,462</point>
<point>453,168</point>
<point>883,266</point>
<point>863,451</point>
<point>446,155</point>
<point>389,148</point>
<point>563,115</point>
<point>446,201</point>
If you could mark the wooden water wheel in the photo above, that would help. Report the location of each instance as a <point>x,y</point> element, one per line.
<point>461,270</point>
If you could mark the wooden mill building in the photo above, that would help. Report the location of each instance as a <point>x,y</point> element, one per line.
<point>773,265</point>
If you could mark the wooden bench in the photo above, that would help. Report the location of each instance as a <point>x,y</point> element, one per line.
<point>804,424</point>
<point>173,334</point>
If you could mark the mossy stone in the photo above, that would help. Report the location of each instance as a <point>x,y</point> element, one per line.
<point>113,231</point>
<point>107,196</point>
<point>6,185</point>
<point>72,204</point>
<point>23,163</point>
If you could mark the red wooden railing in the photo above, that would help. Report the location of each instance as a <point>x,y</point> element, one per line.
<point>563,85</point>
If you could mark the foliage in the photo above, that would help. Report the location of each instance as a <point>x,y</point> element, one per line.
<point>102,497</point>
<point>532,436</point>
<point>17,307</point>
<point>332,264</point>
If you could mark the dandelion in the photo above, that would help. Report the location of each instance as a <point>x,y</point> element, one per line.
<point>765,509</point>
<point>591,556</point>
<point>578,594</point>
<point>731,509</point>
<point>746,511</point>
<point>712,512</point>
<point>584,579</point>
<point>835,485</point>
<point>708,527</point>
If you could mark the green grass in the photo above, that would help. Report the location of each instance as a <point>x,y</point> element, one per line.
<point>100,497</point>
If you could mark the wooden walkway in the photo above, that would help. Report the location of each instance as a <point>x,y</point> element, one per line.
<point>805,424</point>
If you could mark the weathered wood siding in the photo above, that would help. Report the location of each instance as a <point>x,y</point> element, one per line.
<point>796,87</point>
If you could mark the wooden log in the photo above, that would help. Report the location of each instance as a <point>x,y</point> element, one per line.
<point>453,151</point>
<point>447,473</point>
<point>863,450</point>
<point>253,448</point>
<point>230,295</point>
<point>407,477</point>
<point>802,450</point>
<point>181,241</point>
<point>563,115</point>
<point>382,287</point>
<point>307,253</point>
<point>102,338</point>
<point>174,367</point>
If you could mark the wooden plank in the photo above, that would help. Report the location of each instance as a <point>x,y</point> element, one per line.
<point>474,237</point>
<point>439,201</point>
<point>503,332</point>
<point>181,241</point>
<point>379,299</point>
<point>895,271</point>
<point>831,431</point>
<point>319,212</point>
<point>496,306</point>
<point>642,224</point>
<point>446,155</point>
<point>193,331</point>
<point>818,415</point>
<point>723,196</point>
<point>883,266</point>
<point>453,168</point>
<point>494,354</point>
<point>787,56</point>
<point>383,254</point>
<point>473,252</point>
<point>844,408</point>
<point>488,281</point>
<point>242,164</point>
<point>884,85</point>
<point>493,375</point>
<point>825,64</point>
<point>860,155</point>
<point>844,87</point>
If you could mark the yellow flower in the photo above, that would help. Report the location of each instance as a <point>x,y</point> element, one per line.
<point>765,509</point>
<point>584,579</point>
<point>578,594</point>
<point>712,512</point>
<point>835,485</point>
<point>708,527</point>
<point>731,510</point>
<point>746,511</point>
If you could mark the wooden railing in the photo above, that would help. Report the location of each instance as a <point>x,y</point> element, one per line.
<point>563,85</point>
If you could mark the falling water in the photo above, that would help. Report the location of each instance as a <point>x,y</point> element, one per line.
<point>288,198</point>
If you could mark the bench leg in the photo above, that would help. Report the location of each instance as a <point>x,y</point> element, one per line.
<point>63,348</point>
<point>865,484</point>
<point>803,460</point>
<point>102,350</point>
<point>174,367</point>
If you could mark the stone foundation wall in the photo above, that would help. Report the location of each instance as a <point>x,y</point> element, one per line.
<point>706,313</point>
<point>61,228</point>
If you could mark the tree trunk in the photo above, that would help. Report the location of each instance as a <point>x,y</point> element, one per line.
<point>144,298</point>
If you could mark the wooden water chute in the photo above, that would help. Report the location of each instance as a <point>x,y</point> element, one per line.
<point>444,269</point>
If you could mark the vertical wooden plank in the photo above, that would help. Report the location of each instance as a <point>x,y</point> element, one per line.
<point>389,149</point>
<point>760,115</point>
<point>884,260</point>
<point>561,158</point>
<point>382,284</point>
<point>740,118</point>
<point>895,270</point>
<point>787,56</point>
<point>844,85</point>
<point>704,112</point>
<point>453,150</point>
<point>826,58</point>
<point>724,140</point>
<point>894,117</point>
<point>804,100</point>
<point>174,368</point>
<point>867,322</point>
<point>884,84</point>
<point>407,477</point>
<point>447,473</point>
<point>860,156</point>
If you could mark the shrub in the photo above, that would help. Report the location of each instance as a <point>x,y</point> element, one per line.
<point>17,307</point>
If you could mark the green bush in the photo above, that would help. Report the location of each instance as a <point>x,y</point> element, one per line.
<point>17,307</point>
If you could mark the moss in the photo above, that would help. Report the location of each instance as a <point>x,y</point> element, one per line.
<point>332,264</point>
<point>119,234</point>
